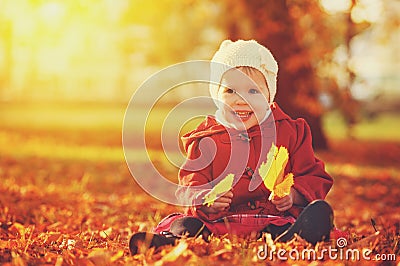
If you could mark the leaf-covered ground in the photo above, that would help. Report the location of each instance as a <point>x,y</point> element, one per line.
<point>67,198</point>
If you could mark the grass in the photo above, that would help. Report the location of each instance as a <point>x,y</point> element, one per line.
<point>383,127</point>
<point>54,116</point>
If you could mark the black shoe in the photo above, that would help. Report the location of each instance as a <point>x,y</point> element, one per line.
<point>143,240</point>
<point>275,230</point>
<point>314,223</point>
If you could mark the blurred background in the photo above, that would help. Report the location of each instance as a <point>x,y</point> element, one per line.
<point>62,63</point>
<point>68,70</point>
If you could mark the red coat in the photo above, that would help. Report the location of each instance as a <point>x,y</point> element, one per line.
<point>231,148</point>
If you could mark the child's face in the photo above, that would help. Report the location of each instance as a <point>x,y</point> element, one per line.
<point>245,97</point>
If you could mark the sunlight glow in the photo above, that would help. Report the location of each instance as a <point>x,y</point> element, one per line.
<point>367,10</point>
<point>60,47</point>
<point>52,12</point>
<point>364,10</point>
<point>334,6</point>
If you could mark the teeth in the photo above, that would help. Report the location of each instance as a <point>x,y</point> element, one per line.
<point>242,113</point>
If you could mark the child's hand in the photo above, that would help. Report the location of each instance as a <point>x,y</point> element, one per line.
<point>220,204</point>
<point>285,203</point>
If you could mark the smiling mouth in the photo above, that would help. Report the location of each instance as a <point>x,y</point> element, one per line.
<point>243,114</point>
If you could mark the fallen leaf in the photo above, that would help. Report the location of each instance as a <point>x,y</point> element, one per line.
<point>19,229</point>
<point>365,241</point>
<point>222,187</point>
<point>106,233</point>
<point>117,256</point>
<point>174,253</point>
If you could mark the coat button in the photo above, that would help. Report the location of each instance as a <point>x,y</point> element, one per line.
<point>249,171</point>
<point>244,137</point>
<point>252,205</point>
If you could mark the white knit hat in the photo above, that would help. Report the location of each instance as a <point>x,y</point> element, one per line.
<point>243,53</point>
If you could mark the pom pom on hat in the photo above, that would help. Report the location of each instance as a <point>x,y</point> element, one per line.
<point>243,53</point>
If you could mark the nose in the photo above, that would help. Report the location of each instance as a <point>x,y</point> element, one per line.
<point>239,99</point>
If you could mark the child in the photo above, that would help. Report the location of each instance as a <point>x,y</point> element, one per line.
<point>242,132</point>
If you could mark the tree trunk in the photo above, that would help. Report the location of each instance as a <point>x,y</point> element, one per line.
<point>297,91</point>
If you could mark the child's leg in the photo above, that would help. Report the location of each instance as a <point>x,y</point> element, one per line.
<point>142,241</point>
<point>276,230</point>
<point>313,224</point>
<point>185,226</point>
<point>190,227</point>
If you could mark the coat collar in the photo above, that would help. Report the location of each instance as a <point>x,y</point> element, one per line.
<point>210,126</point>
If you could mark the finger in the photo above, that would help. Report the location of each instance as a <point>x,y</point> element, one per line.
<point>224,200</point>
<point>220,205</point>
<point>210,210</point>
<point>284,207</point>
<point>228,194</point>
<point>284,204</point>
<point>279,201</point>
<point>217,210</point>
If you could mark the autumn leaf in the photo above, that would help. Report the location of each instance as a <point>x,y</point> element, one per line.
<point>272,172</point>
<point>105,233</point>
<point>283,189</point>
<point>49,214</point>
<point>266,166</point>
<point>4,244</point>
<point>222,187</point>
<point>117,256</point>
<point>174,254</point>
<point>18,228</point>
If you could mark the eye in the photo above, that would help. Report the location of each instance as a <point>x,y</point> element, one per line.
<point>228,90</point>
<point>254,91</point>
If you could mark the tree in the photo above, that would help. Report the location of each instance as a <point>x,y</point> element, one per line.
<point>284,27</point>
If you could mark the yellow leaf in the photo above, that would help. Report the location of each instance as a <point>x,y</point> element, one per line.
<point>18,228</point>
<point>272,172</point>
<point>117,255</point>
<point>106,233</point>
<point>266,166</point>
<point>281,160</point>
<point>277,164</point>
<point>283,189</point>
<point>222,187</point>
<point>174,254</point>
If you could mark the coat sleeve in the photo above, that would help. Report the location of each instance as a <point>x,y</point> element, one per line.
<point>194,176</point>
<point>311,179</point>
<point>196,179</point>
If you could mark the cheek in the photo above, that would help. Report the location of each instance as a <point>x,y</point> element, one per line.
<point>225,99</point>
<point>266,97</point>
<point>258,102</point>
<point>220,99</point>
